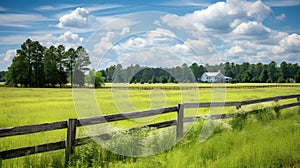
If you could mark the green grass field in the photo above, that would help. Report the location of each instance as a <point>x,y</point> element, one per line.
<point>22,106</point>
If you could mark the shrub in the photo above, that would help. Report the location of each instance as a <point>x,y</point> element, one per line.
<point>239,120</point>
<point>265,115</point>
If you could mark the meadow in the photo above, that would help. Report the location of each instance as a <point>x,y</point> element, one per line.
<point>262,142</point>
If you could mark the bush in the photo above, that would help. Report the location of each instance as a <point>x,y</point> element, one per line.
<point>265,115</point>
<point>280,80</point>
<point>239,120</point>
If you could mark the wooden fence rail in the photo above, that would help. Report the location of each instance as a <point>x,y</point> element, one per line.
<point>72,123</point>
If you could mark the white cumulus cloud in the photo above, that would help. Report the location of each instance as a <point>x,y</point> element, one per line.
<point>291,43</point>
<point>125,31</point>
<point>80,17</point>
<point>281,17</point>
<point>69,37</point>
<point>9,55</point>
<point>237,30</point>
<point>251,29</point>
<point>6,59</point>
<point>235,50</point>
<point>153,57</point>
<point>104,44</point>
<point>222,15</point>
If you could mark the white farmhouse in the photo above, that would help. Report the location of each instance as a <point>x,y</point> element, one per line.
<point>213,77</point>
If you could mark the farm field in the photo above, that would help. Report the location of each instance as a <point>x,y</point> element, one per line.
<point>22,106</point>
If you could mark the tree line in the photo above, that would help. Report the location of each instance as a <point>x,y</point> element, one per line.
<point>139,74</point>
<point>240,73</point>
<point>263,73</point>
<point>38,66</point>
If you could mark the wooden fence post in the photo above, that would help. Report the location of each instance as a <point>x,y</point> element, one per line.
<point>179,126</point>
<point>70,141</point>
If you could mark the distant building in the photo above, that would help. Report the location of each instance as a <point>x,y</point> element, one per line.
<point>215,77</point>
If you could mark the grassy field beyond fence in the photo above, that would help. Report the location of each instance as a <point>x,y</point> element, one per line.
<point>23,106</point>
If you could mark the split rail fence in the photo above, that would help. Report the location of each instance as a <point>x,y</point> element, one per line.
<point>71,124</point>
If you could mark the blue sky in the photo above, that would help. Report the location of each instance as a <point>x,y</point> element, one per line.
<point>157,33</point>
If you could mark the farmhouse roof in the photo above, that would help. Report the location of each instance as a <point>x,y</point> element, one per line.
<point>213,73</point>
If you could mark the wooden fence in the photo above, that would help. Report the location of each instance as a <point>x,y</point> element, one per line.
<point>72,123</point>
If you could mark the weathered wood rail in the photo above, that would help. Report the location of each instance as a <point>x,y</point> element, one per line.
<point>72,123</point>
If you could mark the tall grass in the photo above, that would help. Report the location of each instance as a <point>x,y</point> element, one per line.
<point>258,143</point>
<point>22,106</point>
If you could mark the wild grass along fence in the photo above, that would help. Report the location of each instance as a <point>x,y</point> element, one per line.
<point>72,123</point>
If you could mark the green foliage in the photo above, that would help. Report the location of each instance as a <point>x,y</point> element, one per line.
<point>60,55</point>
<point>36,66</point>
<point>297,77</point>
<point>260,144</point>
<point>99,81</point>
<point>197,70</point>
<point>69,63</point>
<point>269,80</point>
<point>81,63</point>
<point>27,67</point>
<point>17,72</point>
<point>94,79</point>
<point>274,144</point>
<point>153,79</point>
<point>163,79</point>
<point>2,74</point>
<point>244,73</point>
<point>239,120</point>
<point>50,68</point>
<point>280,80</point>
<point>53,159</point>
<point>266,114</point>
<point>264,76</point>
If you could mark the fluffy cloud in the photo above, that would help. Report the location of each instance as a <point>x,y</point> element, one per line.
<point>69,37</point>
<point>9,55</point>
<point>221,15</point>
<point>125,31</point>
<point>156,38</point>
<point>79,18</point>
<point>281,17</point>
<point>175,21</point>
<point>161,33</point>
<point>127,45</point>
<point>6,59</point>
<point>137,48</point>
<point>235,50</point>
<point>290,43</point>
<point>237,31</point>
<point>156,57</point>
<point>256,9</point>
<point>234,32</point>
<point>104,44</point>
<point>251,29</point>
<point>200,47</point>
